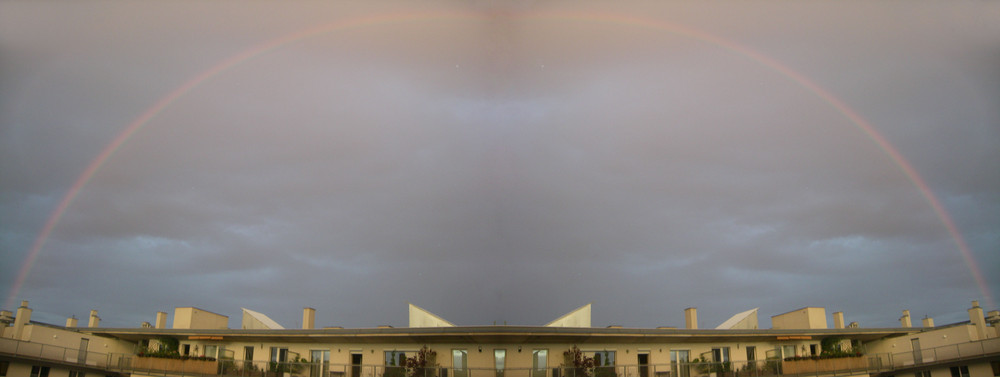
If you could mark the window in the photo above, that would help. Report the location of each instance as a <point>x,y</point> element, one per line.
<point>321,363</point>
<point>459,362</point>
<point>922,373</point>
<point>247,357</point>
<point>74,373</point>
<point>539,361</point>
<point>751,353</point>
<point>604,358</point>
<point>787,351</point>
<point>679,363</point>
<point>395,358</point>
<point>4,364</point>
<point>960,371</point>
<point>499,360</point>
<point>37,371</point>
<point>279,355</point>
<point>720,355</point>
<point>211,351</point>
<point>996,368</point>
<point>604,363</point>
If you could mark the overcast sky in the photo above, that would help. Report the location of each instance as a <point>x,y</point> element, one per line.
<point>505,161</point>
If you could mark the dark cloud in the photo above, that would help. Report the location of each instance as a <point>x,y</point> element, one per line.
<point>500,165</point>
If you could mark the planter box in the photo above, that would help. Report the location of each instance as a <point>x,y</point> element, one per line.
<point>176,365</point>
<point>823,365</point>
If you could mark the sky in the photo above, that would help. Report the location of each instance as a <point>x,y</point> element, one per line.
<point>500,162</point>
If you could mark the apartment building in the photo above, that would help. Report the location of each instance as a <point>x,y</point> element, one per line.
<point>799,342</point>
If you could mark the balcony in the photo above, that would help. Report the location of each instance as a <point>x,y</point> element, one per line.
<point>57,354</point>
<point>952,352</point>
<point>128,363</point>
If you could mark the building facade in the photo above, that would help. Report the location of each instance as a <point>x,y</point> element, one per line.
<point>200,343</point>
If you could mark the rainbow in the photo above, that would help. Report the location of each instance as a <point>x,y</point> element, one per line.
<point>596,17</point>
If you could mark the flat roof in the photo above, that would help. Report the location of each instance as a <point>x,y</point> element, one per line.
<point>502,334</point>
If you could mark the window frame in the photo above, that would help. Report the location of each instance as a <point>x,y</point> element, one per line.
<point>959,371</point>
<point>721,355</point>
<point>39,371</point>
<point>279,353</point>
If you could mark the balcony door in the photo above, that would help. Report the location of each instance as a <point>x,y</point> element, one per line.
<point>81,355</point>
<point>320,363</point>
<point>643,362</point>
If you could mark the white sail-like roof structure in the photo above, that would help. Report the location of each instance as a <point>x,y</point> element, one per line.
<point>741,321</point>
<point>258,321</point>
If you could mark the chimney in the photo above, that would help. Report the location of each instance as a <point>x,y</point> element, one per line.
<point>24,316</point>
<point>308,318</point>
<point>6,318</point>
<point>161,320</point>
<point>853,325</point>
<point>94,319</point>
<point>905,319</point>
<point>838,320</point>
<point>977,319</point>
<point>928,322</point>
<point>691,318</point>
<point>72,322</point>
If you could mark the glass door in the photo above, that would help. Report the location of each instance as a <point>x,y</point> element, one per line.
<point>320,363</point>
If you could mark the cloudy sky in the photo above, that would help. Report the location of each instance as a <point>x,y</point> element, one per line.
<point>504,161</point>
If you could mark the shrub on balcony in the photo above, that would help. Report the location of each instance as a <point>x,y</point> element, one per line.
<point>827,355</point>
<point>706,366</point>
<point>423,364</point>
<point>170,354</point>
<point>576,364</point>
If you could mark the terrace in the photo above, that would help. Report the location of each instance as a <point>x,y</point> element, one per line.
<point>120,364</point>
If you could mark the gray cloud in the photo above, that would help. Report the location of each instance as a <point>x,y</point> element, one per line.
<point>501,165</point>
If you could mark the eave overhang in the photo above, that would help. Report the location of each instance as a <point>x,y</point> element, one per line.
<point>500,334</point>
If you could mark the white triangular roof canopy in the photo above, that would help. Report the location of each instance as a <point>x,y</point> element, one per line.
<point>420,317</point>
<point>579,317</point>
<point>258,321</point>
<point>746,320</point>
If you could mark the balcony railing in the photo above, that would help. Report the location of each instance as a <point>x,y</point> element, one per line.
<point>238,368</point>
<point>945,353</point>
<point>39,351</point>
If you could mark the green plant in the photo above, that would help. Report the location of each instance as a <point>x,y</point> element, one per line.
<point>169,343</point>
<point>706,366</point>
<point>830,344</point>
<point>393,370</point>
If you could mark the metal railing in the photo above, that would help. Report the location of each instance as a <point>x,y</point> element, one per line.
<point>40,351</point>
<point>129,363</point>
<point>945,353</point>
